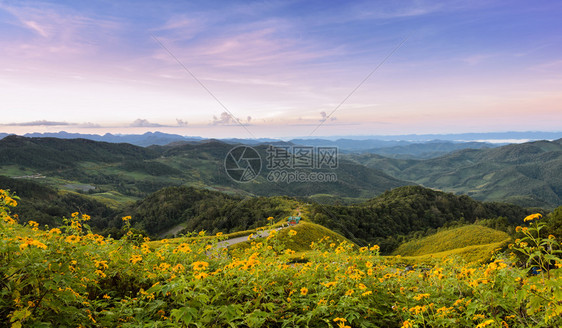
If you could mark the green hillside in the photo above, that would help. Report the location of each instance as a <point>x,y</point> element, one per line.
<point>46,205</point>
<point>471,241</point>
<point>107,170</point>
<point>527,174</point>
<point>307,234</point>
<point>199,209</point>
<point>407,212</point>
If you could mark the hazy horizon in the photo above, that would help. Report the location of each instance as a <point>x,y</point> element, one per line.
<point>281,68</point>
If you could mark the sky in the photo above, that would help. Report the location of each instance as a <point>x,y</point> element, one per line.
<point>252,69</point>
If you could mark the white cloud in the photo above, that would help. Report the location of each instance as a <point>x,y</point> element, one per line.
<point>142,123</point>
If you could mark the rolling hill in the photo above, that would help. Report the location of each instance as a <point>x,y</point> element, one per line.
<point>527,174</point>
<point>135,172</point>
<point>474,243</point>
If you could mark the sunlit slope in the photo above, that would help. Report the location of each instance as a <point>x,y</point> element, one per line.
<point>303,237</point>
<point>472,242</point>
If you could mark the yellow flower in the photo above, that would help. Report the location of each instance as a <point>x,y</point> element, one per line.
<point>518,228</point>
<point>135,258</point>
<point>106,296</point>
<point>219,234</point>
<point>72,239</point>
<point>485,323</point>
<point>304,291</point>
<point>532,217</point>
<point>349,292</point>
<point>126,218</point>
<point>367,293</point>
<point>202,233</point>
<point>55,230</point>
<point>340,319</point>
<point>75,214</point>
<point>292,232</point>
<point>375,248</point>
<point>183,248</point>
<point>420,296</point>
<point>362,287</point>
<point>101,264</point>
<point>200,275</point>
<point>407,324</point>
<point>85,217</point>
<point>200,265</point>
<point>330,284</point>
<point>100,273</point>
<point>270,218</point>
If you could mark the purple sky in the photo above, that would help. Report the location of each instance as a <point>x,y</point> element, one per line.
<point>280,67</point>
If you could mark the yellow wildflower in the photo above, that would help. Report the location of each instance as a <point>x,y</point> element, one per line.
<point>135,258</point>
<point>532,217</point>
<point>72,239</point>
<point>199,265</point>
<point>407,324</point>
<point>304,291</point>
<point>421,296</point>
<point>485,323</point>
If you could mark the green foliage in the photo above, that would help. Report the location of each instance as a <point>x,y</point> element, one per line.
<point>47,206</point>
<point>554,223</point>
<point>207,210</point>
<point>69,277</point>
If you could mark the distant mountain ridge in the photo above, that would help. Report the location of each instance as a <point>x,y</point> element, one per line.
<point>406,146</point>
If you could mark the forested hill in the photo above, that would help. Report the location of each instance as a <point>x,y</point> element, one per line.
<point>55,154</point>
<point>134,172</point>
<point>388,219</point>
<point>409,211</point>
<point>49,206</point>
<point>527,174</point>
<point>197,209</point>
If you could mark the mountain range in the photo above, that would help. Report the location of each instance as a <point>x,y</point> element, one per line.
<point>526,174</point>
<point>398,146</point>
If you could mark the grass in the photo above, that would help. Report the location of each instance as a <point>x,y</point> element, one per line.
<point>473,243</point>
<point>448,240</point>
<point>307,233</point>
<point>470,254</point>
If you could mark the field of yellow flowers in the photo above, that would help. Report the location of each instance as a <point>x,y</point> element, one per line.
<point>70,277</point>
